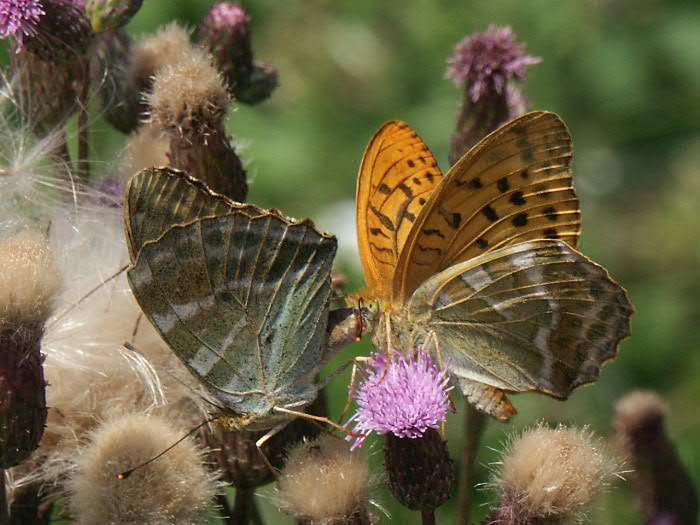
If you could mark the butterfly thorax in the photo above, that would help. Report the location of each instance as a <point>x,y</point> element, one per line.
<point>389,326</point>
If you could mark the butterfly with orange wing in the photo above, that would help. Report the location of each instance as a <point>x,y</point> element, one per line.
<point>480,267</point>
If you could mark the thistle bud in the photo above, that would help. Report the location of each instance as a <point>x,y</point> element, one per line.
<point>108,15</point>
<point>120,96</point>
<point>665,490</point>
<point>226,33</point>
<point>28,284</point>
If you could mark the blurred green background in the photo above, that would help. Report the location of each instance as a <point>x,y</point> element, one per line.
<point>623,74</point>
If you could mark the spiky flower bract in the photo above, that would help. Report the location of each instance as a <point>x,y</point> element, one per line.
<point>399,394</point>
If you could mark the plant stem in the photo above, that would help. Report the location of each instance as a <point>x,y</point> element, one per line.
<point>428,516</point>
<point>244,508</point>
<point>473,426</point>
<point>83,126</point>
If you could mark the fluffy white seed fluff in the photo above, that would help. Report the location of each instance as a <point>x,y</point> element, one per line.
<point>552,473</point>
<point>177,488</point>
<point>29,278</point>
<point>323,481</point>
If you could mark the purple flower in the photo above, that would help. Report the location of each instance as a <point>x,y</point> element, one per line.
<point>227,15</point>
<point>18,18</point>
<point>406,399</point>
<point>484,62</point>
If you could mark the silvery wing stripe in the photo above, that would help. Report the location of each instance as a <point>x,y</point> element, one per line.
<point>558,317</point>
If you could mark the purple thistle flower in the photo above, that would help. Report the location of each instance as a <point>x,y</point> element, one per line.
<point>18,18</point>
<point>484,62</point>
<point>408,399</point>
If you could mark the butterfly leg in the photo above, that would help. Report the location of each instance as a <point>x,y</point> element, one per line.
<point>487,399</point>
<point>311,417</point>
<point>353,381</point>
<point>260,442</point>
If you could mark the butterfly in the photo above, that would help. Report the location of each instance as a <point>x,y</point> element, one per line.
<point>239,293</point>
<point>480,267</point>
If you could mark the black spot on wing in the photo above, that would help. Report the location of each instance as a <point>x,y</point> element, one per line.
<point>503,185</point>
<point>489,213</point>
<point>383,188</point>
<point>517,198</point>
<point>551,233</point>
<point>482,243</point>
<point>520,220</point>
<point>551,213</point>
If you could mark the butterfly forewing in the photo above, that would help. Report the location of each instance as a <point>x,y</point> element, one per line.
<point>243,301</point>
<point>532,316</point>
<point>513,186</point>
<point>397,175</point>
<point>158,198</point>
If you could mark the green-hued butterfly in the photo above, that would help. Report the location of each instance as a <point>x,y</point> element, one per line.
<point>480,266</point>
<point>239,293</point>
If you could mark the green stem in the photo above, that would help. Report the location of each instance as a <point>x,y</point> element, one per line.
<point>244,508</point>
<point>474,422</point>
<point>428,516</point>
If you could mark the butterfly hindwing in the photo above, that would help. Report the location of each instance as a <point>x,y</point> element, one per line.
<point>513,186</point>
<point>158,198</point>
<point>397,175</point>
<point>243,301</point>
<point>532,316</point>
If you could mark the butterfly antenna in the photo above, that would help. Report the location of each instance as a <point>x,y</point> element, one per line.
<point>88,294</point>
<point>127,473</point>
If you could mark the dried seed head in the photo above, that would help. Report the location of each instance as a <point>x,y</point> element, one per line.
<point>29,280</point>
<point>325,482</point>
<point>551,475</point>
<point>176,488</point>
<point>156,52</point>
<point>189,98</point>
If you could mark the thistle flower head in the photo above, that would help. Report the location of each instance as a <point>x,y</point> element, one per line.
<point>176,488</point>
<point>484,62</point>
<point>399,394</point>
<point>18,18</point>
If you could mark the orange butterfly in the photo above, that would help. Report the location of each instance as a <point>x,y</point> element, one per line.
<point>479,267</point>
